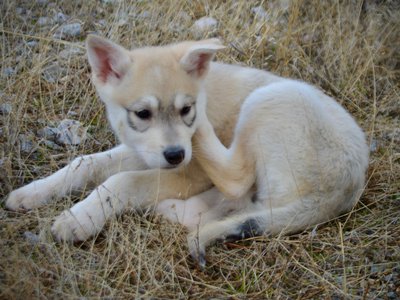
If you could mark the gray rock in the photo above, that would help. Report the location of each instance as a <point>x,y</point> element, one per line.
<point>71,51</point>
<point>42,2</point>
<point>284,5</point>
<point>8,72</point>
<point>183,16</point>
<point>20,10</point>
<point>373,147</point>
<point>180,22</point>
<point>102,23</point>
<point>203,26</point>
<point>260,13</point>
<point>48,133</point>
<point>43,21</point>
<point>52,145</point>
<point>392,295</point>
<point>378,268</point>
<point>26,143</point>
<point>144,15</point>
<point>66,31</point>
<point>53,73</point>
<point>70,132</point>
<point>314,232</point>
<point>60,17</point>
<point>122,22</point>
<point>32,44</point>
<point>388,277</point>
<point>393,136</point>
<point>72,113</point>
<point>5,108</point>
<point>32,238</point>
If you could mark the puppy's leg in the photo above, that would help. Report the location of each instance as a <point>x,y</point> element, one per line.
<point>231,170</point>
<point>233,228</point>
<point>88,169</point>
<point>121,191</point>
<point>195,211</point>
<point>256,221</point>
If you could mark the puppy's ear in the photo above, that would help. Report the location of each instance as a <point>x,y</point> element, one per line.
<point>109,61</point>
<point>197,58</point>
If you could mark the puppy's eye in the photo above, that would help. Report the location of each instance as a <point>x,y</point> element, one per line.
<point>185,110</point>
<point>143,114</point>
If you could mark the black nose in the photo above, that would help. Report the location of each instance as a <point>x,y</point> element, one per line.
<point>174,155</point>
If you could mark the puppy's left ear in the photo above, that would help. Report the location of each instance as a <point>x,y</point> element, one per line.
<point>197,58</point>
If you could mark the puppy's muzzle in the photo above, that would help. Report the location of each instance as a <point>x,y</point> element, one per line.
<point>174,155</point>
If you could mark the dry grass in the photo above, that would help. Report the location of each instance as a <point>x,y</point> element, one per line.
<point>348,48</point>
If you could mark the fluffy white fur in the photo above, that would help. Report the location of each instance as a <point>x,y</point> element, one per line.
<point>281,154</point>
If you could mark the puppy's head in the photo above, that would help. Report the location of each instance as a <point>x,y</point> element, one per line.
<point>153,96</point>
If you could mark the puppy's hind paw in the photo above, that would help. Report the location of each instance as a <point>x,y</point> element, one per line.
<point>197,250</point>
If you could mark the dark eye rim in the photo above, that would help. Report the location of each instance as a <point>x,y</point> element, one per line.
<point>143,114</point>
<point>185,110</point>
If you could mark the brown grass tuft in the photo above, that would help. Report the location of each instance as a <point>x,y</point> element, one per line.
<point>349,48</point>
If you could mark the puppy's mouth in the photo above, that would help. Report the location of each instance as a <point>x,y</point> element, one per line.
<point>170,167</point>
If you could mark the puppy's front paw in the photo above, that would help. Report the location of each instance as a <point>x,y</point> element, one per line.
<point>72,227</point>
<point>27,197</point>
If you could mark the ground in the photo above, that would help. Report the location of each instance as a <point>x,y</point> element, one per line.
<point>350,49</point>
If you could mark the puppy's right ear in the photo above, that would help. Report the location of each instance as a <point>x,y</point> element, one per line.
<point>108,60</point>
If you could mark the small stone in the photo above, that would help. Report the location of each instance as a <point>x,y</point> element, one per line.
<point>310,70</point>
<point>183,16</point>
<point>20,10</point>
<point>389,277</point>
<point>393,136</point>
<point>26,143</point>
<point>72,113</point>
<point>60,18</point>
<point>122,22</point>
<point>373,147</point>
<point>42,2</point>
<point>260,13</point>
<point>32,44</point>
<point>72,30</point>
<point>71,51</point>
<point>5,108</point>
<point>377,268</point>
<point>32,238</point>
<point>43,21</point>
<point>203,26</point>
<point>102,23</point>
<point>179,24</point>
<point>144,15</point>
<point>48,133</point>
<point>53,73</point>
<point>70,132</point>
<point>314,233</point>
<point>8,72</point>
<point>52,145</point>
<point>284,5</point>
